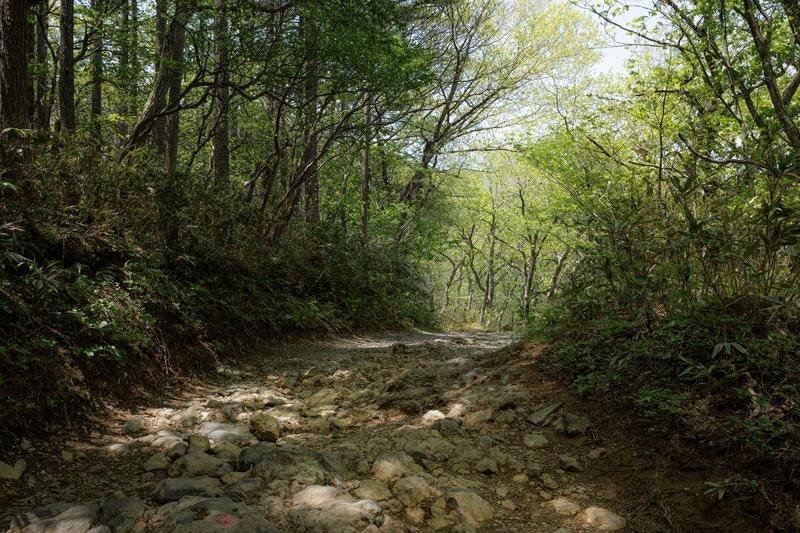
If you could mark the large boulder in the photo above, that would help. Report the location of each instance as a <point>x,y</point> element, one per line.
<point>198,464</point>
<point>328,509</point>
<point>201,515</point>
<point>58,518</point>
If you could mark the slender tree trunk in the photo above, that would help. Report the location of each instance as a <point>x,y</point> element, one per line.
<point>177,38</point>
<point>159,128</point>
<point>133,58</point>
<point>98,8</point>
<point>66,67</point>
<point>530,271</point>
<point>365,170</point>
<point>560,261</point>
<point>125,78</point>
<point>41,118</point>
<point>311,184</point>
<point>221,150</point>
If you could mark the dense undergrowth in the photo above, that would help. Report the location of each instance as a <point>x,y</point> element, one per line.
<point>723,374</point>
<point>111,277</point>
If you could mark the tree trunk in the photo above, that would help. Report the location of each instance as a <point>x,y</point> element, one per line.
<point>365,170</point>
<point>221,150</point>
<point>530,271</point>
<point>124,69</point>
<point>560,261</point>
<point>311,184</point>
<point>133,58</point>
<point>159,130</point>
<point>66,67</point>
<point>174,70</point>
<point>14,78</point>
<point>98,9</point>
<point>41,116</point>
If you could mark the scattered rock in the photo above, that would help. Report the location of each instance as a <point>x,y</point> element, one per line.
<point>569,463</point>
<point>328,509</point>
<point>226,451</point>
<point>508,401</point>
<point>564,506</point>
<point>265,427</point>
<point>474,509</point>
<point>198,464</point>
<point>432,416</point>
<point>224,432</point>
<point>535,440</point>
<point>157,461</point>
<point>542,413</point>
<point>178,449</point>
<point>602,519</point>
<point>448,426</point>
<point>548,481</point>
<point>457,411</point>
<point>372,489</point>
<point>58,518</point>
<point>508,505</point>
<point>415,515</point>
<point>198,444</point>
<point>597,453</point>
<point>326,396</point>
<point>505,418</point>
<point>209,515</point>
<point>392,466</point>
<point>572,425</point>
<point>134,425</point>
<point>412,491</point>
<point>175,489</point>
<point>487,465</point>
<point>477,418</point>
<point>121,514</point>
<point>13,472</point>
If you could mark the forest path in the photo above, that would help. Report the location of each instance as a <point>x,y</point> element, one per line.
<point>409,431</point>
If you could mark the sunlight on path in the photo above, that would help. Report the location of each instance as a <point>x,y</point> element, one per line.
<point>405,431</point>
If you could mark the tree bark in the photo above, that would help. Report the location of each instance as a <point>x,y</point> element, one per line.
<point>311,184</point>
<point>221,149</point>
<point>66,67</point>
<point>98,9</point>
<point>560,261</point>
<point>159,131</point>
<point>14,79</point>
<point>174,74</point>
<point>41,115</point>
<point>365,169</point>
<point>124,69</point>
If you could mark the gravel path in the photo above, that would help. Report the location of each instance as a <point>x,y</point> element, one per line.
<point>407,431</point>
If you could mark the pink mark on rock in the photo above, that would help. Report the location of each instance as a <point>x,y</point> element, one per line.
<point>226,519</point>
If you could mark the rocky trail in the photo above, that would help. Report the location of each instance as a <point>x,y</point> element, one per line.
<point>394,432</point>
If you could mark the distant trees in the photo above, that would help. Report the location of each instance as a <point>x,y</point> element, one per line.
<point>351,118</point>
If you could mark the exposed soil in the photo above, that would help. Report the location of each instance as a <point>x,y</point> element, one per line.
<point>457,405</point>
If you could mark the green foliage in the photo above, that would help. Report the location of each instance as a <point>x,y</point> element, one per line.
<point>104,273</point>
